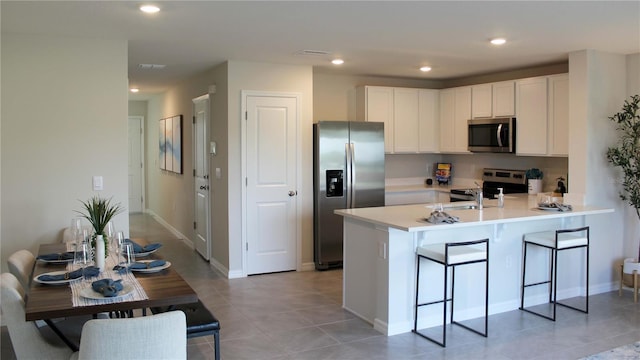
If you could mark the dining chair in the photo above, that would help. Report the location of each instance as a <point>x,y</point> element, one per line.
<point>27,341</point>
<point>20,265</point>
<point>161,336</point>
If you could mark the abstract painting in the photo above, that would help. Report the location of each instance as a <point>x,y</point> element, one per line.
<point>170,151</point>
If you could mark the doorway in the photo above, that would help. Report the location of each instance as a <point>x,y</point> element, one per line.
<point>136,164</point>
<point>202,201</point>
<point>271,163</point>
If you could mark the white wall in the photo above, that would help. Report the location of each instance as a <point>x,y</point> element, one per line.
<point>597,90</point>
<point>63,121</point>
<point>279,78</point>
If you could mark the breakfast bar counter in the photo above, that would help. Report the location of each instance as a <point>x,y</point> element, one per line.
<point>379,261</point>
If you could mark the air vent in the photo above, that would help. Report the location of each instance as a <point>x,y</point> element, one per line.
<point>313,53</point>
<point>151,66</point>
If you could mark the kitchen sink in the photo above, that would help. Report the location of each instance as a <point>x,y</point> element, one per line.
<point>465,207</point>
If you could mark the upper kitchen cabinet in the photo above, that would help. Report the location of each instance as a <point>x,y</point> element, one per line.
<point>542,119</point>
<point>493,100</point>
<point>455,110</point>
<point>429,110</point>
<point>559,115</point>
<point>531,116</point>
<point>410,116</point>
<point>375,103</point>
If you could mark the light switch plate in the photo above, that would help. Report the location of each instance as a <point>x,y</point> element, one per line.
<point>98,183</point>
<point>212,149</point>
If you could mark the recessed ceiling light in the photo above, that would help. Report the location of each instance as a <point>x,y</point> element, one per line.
<point>337,61</point>
<point>498,41</point>
<point>425,68</point>
<point>149,9</point>
<point>151,66</point>
<point>134,90</point>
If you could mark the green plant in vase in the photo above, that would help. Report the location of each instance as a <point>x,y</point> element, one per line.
<point>99,212</point>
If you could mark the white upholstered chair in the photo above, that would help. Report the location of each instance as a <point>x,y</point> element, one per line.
<point>26,339</point>
<point>162,336</point>
<point>20,265</point>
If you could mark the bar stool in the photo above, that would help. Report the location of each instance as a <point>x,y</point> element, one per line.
<point>556,241</point>
<point>451,255</point>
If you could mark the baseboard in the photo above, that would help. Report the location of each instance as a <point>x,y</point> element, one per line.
<point>216,265</point>
<point>185,239</point>
<point>310,266</point>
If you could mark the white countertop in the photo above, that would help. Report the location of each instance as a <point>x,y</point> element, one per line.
<point>411,218</point>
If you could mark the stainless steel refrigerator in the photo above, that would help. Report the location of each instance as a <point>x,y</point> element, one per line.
<point>348,172</point>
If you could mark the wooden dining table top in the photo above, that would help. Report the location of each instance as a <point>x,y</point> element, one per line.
<point>164,288</point>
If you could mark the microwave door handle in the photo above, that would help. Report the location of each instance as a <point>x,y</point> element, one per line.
<point>499,135</point>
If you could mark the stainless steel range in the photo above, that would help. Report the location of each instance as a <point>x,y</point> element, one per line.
<point>511,181</point>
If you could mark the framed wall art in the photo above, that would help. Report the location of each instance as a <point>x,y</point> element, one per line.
<point>170,142</point>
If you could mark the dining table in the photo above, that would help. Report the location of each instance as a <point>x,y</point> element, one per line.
<point>163,288</point>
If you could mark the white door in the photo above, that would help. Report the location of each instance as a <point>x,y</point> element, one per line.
<point>271,148</point>
<point>136,164</point>
<point>201,231</point>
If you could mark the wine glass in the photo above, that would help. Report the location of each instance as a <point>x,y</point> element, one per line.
<point>82,258</point>
<point>116,243</point>
<point>76,229</point>
<point>109,231</point>
<point>127,255</point>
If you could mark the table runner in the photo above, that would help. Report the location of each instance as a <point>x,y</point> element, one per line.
<point>138,292</point>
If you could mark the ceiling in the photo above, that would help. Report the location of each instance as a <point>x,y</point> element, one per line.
<point>379,38</point>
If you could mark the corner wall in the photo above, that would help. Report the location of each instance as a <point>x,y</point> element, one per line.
<point>62,123</point>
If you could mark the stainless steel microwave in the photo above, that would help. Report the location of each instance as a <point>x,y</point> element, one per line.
<point>496,135</point>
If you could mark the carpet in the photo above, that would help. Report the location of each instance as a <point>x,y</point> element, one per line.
<point>626,352</point>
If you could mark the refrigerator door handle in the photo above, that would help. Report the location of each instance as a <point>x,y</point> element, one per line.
<point>349,169</point>
<point>353,183</point>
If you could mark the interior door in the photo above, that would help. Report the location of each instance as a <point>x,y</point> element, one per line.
<point>202,223</point>
<point>271,183</point>
<point>136,164</point>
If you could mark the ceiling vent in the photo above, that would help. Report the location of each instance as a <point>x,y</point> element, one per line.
<point>312,53</point>
<point>151,66</point>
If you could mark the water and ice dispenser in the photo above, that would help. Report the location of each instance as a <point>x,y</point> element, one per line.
<point>334,183</point>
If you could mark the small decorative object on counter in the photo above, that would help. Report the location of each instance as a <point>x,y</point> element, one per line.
<point>500,198</point>
<point>561,189</point>
<point>534,180</point>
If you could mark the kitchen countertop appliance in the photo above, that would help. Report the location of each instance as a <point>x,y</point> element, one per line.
<point>511,181</point>
<point>348,172</point>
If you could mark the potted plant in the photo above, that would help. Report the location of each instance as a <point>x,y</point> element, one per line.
<point>626,156</point>
<point>99,212</point>
<point>534,180</point>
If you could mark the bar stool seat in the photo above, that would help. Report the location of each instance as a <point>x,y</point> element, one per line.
<point>555,241</point>
<point>451,255</point>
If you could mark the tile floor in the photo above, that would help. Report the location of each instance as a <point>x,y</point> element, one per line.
<point>298,316</point>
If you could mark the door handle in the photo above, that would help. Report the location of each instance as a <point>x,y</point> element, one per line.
<point>293,193</point>
<point>204,187</point>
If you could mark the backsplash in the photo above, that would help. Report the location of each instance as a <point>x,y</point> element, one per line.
<point>470,166</point>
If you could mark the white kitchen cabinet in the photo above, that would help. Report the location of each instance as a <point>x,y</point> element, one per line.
<point>455,110</point>
<point>428,109</point>
<point>503,99</point>
<point>481,103</point>
<point>406,120</point>
<point>375,103</point>
<point>493,100</point>
<point>558,115</point>
<point>531,115</point>
<point>410,116</point>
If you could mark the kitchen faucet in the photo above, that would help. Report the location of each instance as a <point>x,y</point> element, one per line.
<point>479,195</point>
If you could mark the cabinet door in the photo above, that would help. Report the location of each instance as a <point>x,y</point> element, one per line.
<point>462,115</point>
<point>504,99</point>
<point>481,101</point>
<point>447,118</point>
<point>559,115</point>
<point>428,107</point>
<point>379,108</point>
<point>531,118</point>
<point>406,121</point>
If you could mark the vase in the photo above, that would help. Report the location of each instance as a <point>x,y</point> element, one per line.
<point>99,258</point>
<point>535,186</point>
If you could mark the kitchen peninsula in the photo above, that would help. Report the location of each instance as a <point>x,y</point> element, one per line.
<point>380,261</point>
